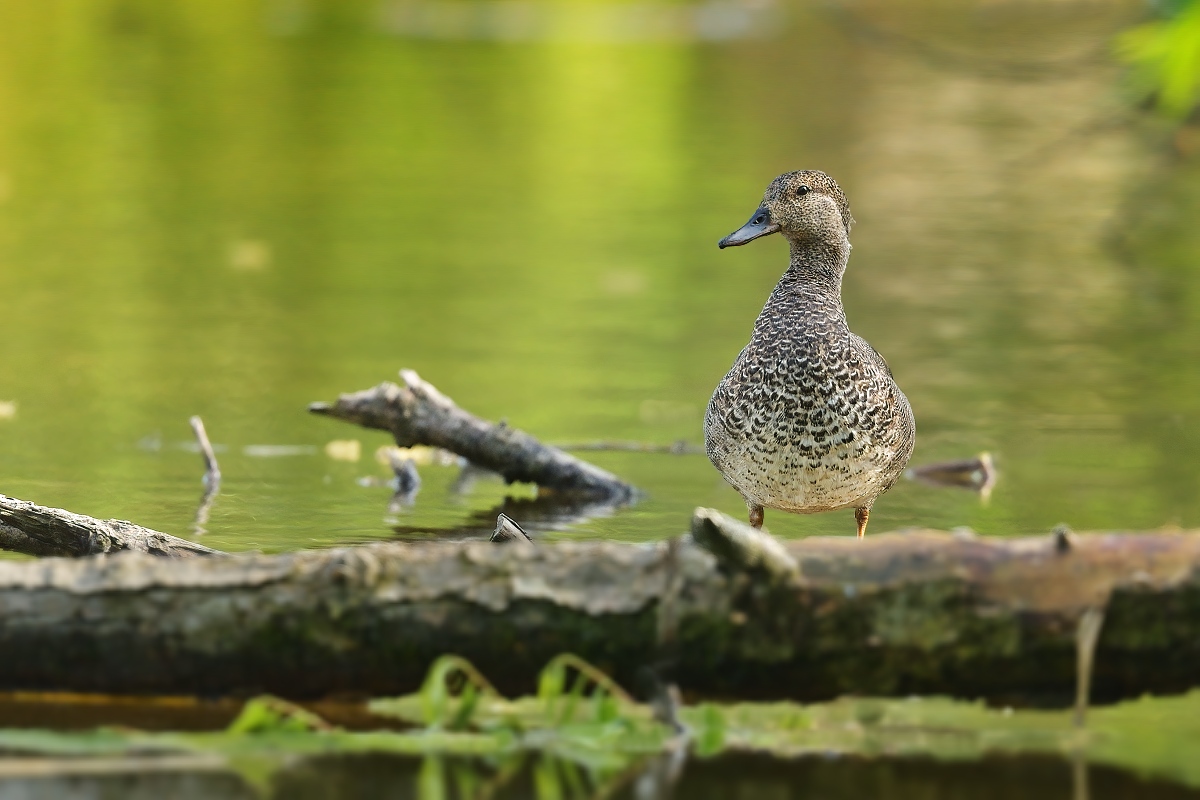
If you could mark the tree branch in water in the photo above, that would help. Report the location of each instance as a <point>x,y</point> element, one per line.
<point>418,414</point>
<point>41,531</point>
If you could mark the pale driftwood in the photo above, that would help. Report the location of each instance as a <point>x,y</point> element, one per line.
<point>418,414</point>
<point>507,530</point>
<point>41,531</point>
<point>896,614</point>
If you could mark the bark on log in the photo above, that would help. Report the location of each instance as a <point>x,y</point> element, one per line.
<point>41,531</point>
<point>896,614</point>
<point>418,414</point>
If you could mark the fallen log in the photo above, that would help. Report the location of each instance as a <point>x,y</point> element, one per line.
<point>42,531</point>
<point>418,414</point>
<point>896,614</point>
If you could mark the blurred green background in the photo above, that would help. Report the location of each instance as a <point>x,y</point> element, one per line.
<point>232,209</point>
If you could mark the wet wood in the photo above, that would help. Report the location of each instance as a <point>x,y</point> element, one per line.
<point>896,614</point>
<point>42,531</point>
<point>507,530</point>
<point>418,414</point>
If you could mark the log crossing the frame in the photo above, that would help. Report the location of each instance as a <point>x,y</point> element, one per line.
<point>717,611</point>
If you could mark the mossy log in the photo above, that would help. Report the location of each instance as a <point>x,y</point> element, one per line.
<point>896,614</point>
<point>418,414</point>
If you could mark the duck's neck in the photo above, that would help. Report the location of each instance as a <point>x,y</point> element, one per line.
<point>819,263</point>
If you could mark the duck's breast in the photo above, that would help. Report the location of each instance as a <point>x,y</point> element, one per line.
<point>805,423</point>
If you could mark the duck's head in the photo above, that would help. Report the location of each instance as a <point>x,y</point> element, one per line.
<point>802,205</point>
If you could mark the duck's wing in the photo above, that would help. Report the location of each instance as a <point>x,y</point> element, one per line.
<point>869,353</point>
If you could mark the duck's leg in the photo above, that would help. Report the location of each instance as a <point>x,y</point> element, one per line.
<point>756,514</point>
<point>861,515</point>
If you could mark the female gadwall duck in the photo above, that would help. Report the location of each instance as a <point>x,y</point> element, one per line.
<point>809,418</point>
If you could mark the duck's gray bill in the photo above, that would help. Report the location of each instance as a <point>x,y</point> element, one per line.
<point>760,225</point>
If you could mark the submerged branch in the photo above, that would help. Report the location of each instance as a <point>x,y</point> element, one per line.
<point>40,531</point>
<point>418,414</point>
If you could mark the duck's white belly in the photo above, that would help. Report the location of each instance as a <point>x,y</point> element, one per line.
<point>811,472</point>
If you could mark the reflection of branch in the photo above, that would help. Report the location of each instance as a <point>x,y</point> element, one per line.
<point>212,475</point>
<point>677,448</point>
<point>468,475</point>
<point>1101,124</point>
<point>405,484</point>
<point>937,56</point>
<point>547,511</point>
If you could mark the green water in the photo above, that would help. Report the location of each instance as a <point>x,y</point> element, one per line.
<point>232,209</point>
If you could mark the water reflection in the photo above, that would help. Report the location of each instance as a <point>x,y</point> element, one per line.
<point>530,777</point>
<point>542,513</point>
<point>977,474</point>
<point>521,21</point>
<point>232,210</point>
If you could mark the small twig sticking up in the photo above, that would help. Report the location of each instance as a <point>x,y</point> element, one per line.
<point>737,546</point>
<point>1085,648</point>
<point>1062,538</point>
<point>507,530</point>
<point>405,484</point>
<point>212,475</point>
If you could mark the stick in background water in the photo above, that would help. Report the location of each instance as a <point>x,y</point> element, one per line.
<point>212,476</point>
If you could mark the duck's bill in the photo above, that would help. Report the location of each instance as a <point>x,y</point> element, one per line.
<point>760,225</point>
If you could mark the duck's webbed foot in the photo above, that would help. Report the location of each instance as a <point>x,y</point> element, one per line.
<point>756,514</point>
<point>861,515</point>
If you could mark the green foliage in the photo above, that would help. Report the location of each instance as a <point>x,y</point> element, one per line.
<point>582,736</point>
<point>447,673</point>
<point>607,696</point>
<point>1165,56</point>
<point>268,714</point>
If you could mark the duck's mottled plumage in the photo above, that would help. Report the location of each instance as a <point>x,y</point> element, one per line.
<point>809,418</point>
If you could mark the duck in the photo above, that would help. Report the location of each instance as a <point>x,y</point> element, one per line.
<point>809,418</point>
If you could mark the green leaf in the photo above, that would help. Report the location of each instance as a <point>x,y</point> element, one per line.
<point>1165,56</point>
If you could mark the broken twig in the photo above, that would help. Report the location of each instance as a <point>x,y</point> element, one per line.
<point>212,475</point>
<point>739,546</point>
<point>507,530</point>
<point>417,413</point>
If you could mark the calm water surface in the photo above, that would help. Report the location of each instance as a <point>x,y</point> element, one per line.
<point>734,776</point>
<point>232,209</point>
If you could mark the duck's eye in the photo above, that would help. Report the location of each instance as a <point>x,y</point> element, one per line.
<point>802,190</point>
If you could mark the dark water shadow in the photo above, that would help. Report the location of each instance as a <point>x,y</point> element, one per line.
<point>729,776</point>
<point>546,512</point>
<point>528,778</point>
<point>101,779</point>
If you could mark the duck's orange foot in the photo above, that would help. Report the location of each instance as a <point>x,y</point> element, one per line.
<point>861,515</point>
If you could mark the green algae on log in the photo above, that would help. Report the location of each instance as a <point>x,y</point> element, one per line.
<point>896,614</point>
<point>418,414</point>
